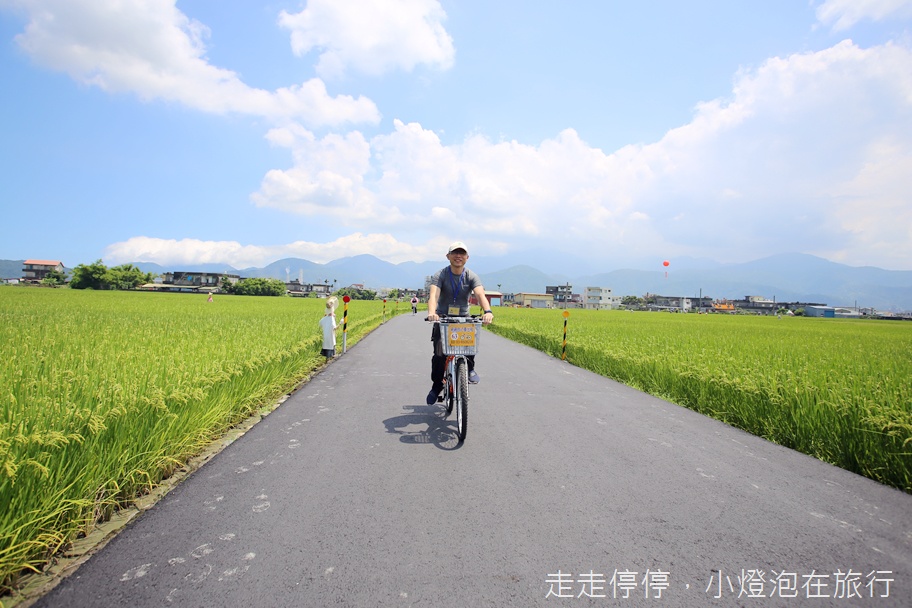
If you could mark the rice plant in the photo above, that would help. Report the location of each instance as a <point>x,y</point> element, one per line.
<point>104,394</point>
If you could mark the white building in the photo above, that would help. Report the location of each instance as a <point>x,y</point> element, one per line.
<point>600,298</point>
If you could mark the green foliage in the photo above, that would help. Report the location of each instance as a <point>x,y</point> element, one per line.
<point>54,278</point>
<point>356,294</point>
<point>258,287</point>
<point>99,276</point>
<point>128,276</point>
<point>836,389</point>
<point>91,276</point>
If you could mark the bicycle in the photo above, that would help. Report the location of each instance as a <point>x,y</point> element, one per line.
<point>458,338</point>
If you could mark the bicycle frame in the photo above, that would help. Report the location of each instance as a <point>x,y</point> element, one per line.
<point>458,338</point>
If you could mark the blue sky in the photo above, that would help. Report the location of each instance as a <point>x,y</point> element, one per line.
<point>621,132</point>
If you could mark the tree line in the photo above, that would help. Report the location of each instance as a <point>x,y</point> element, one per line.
<point>99,276</point>
<point>128,276</point>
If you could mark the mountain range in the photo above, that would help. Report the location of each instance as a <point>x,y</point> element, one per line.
<point>783,277</point>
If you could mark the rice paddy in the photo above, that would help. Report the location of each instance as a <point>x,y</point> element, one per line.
<point>836,389</point>
<point>103,394</point>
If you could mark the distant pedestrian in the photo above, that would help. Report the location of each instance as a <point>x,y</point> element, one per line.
<point>328,324</point>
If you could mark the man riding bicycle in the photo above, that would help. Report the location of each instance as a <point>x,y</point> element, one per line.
<point>449,295</point>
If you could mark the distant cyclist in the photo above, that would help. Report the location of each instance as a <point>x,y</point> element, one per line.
<point>414,305</point>
<point>449,295</point>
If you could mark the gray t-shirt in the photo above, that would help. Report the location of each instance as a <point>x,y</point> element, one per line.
<point>461,285</point>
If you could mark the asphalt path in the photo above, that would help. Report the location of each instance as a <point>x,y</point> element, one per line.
<point>570,489</point>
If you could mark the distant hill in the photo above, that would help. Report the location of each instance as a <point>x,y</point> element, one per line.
<point>11,269</point>
<point>520,279</point>
<point>784,277</point>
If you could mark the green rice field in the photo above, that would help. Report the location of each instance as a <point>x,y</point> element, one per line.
<point>103,394</point>
<point>837,389</point>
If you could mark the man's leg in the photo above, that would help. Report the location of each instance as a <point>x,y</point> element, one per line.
<point>438,367</point>
<point>473,377</point>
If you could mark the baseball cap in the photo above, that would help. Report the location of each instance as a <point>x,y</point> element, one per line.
<point>457,245</point>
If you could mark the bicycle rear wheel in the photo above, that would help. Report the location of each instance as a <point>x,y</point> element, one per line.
<point>462,399</point>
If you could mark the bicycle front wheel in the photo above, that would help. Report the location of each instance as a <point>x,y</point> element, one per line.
<point>462,399</point>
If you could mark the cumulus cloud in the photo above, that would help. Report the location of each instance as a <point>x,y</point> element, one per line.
<point>410,179</point>
<point>371,36</point>
<point>152,49</point>
<point>799,156</point>
<point>795,141</point>
<point>327,177</point>
<point>843,14</point>
<point>192,251</point>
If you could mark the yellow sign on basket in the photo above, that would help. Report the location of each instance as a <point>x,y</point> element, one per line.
<point>461,335</point>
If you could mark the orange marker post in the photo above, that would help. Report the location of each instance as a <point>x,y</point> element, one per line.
<point>564,350</point>
<point>345,299</point>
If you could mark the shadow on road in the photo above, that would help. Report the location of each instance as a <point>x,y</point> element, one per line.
<point>435,428</point>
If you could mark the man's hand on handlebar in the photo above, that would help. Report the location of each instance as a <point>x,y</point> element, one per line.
<point>487,318</point>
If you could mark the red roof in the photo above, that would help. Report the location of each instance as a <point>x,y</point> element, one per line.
<point>44,262</point>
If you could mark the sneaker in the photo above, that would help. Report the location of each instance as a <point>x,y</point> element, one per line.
<point>473,377</point>
<point>432,396</point>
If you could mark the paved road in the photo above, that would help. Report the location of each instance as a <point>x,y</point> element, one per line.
<point>354,493</point>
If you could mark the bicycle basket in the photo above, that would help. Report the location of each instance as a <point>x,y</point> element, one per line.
<point>459,338</point>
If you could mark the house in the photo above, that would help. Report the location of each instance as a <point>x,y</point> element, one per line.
<point>670,303</point>
<point>495,298</point>
<point>600,298</point>
<point>827,312</point>
<point>533,300</point>
<point>845,312</point>
<point>561,294</point>
<point>757,305</point>
<point>297,288</point>
<point>35,270</point>
<point>192,281</point>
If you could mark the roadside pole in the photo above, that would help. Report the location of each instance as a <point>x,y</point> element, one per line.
<point>564,350</point>
<point>345,299</point>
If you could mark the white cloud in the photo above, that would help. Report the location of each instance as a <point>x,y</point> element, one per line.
<point>152,49</point>
<point>327,177</point>
<point>173,252</point>
<point>371,36</point>
<point>795,141</point>
<point>787,162</point>
<point>843,14</point>
<point>407,178</point>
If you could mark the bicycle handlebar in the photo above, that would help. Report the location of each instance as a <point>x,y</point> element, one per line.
<point>456,319</point>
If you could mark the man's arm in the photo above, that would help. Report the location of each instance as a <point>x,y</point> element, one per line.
<point>433,295</point>
<point>485,306</point>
